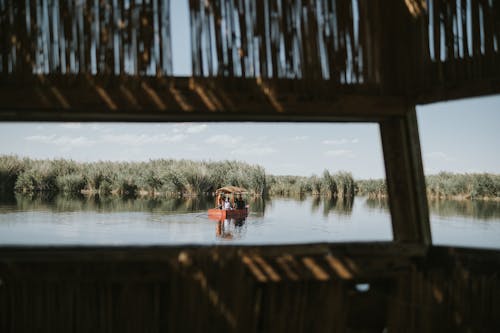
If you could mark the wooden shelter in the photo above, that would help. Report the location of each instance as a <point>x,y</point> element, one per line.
<point>231,190</point>
<point>269,60</point>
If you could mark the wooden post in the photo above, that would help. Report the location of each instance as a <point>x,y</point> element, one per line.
<point>405,179</point>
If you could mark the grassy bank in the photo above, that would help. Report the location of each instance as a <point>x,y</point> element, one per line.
<point>340,184</point>
<point>127,179</point>
<point>445,185</point>
<point>159,178</point>
<point>182,177</point>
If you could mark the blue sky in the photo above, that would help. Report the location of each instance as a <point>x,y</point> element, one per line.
<point>299,149</point>
<point>459,136</point>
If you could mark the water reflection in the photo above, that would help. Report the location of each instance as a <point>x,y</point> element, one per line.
<point>340,206</point>
<point>109,204</point>
<point>379,204</point>
<point>276,220</point>
<point>477,209</point>
<point>63,203</point>
<point>229,229</point>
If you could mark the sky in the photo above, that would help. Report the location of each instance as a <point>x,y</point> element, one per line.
<point>458,136</point>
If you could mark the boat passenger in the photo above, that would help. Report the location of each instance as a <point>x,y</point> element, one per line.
<point>227,204</point>
<point>220,201</point>
<point>240,204</point>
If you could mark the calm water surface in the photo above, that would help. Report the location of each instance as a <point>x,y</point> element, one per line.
<point>90,221</point>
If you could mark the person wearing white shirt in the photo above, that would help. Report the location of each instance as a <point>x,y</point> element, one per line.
<point>227,204</point>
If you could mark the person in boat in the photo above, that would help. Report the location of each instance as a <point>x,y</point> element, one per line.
<point>220,201</point>
<point>227,204</point>
<point>240,204</point>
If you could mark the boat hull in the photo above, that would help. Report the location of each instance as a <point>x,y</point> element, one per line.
<point>222,214</point>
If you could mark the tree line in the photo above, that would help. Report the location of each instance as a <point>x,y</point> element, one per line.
<point>127,179</point>
<point>444,185</point>
<point>159,177</point>
<point>189,178</point>
<point>340,184</point>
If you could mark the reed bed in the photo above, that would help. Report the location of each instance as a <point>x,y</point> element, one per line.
<point>159,178</point>
<point>166,177</point>
<point>445,185</point>
<point>340,184</point>
<point>127,179</point>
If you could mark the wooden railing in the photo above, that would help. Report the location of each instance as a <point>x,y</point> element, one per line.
<point>320,288</point>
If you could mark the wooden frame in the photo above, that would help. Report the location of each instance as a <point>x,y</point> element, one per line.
<point>193,100</point>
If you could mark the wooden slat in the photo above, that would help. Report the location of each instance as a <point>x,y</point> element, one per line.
<point>187,288</point>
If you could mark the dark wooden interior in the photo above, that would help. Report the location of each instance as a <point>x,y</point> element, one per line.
<point>270,60</point>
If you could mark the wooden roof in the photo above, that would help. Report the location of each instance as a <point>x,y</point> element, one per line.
<point>263,60</point>
<point>231,189</point>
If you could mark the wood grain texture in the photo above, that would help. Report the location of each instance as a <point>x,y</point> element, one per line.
<point>158,289</point>
<point>405,179</point>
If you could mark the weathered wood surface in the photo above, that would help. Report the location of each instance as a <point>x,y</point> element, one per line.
<point>85,37</point>
<point>448,49</point>
<point>405,179</point>
<point>249,289</point>
<point>463,51</point>
<point>182,99</point>
<point>424,50</point>
<point>283,39</point>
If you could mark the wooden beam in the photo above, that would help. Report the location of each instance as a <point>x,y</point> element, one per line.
<point>190,99</point>
<point>405,179</point>
<point>457,90</point>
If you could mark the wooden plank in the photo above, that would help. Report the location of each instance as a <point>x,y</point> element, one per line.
<point>453,90</point>
<point>188,288</point>
<point>405,179</point>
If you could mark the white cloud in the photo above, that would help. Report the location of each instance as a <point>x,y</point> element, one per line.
<point>191,129</point>
<point>101,128</point>
<point>71,125</point>
<point>342,141</point>
<point>224,140</point>
<point>67,141</point>
<point>141,139</point>
<point>340,153</point>
<point>439,155</point>
<point>299,138</point>
<point>254,151</point>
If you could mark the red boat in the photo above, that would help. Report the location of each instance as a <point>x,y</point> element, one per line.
<point>236,212</point>
<point>222,214</point>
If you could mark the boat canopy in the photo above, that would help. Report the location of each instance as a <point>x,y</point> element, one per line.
<point>231,189</point>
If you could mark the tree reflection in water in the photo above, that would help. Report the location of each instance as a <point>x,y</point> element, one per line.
<point>376,203</point>
<point>339,206</point>
<point>63,203</point>
<point>476,209</point>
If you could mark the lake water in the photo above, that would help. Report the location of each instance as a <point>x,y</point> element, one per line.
<point>90,221</point>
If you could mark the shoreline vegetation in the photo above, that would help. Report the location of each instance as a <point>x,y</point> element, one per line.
<point>168,177</point>
<point>444,185</point>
